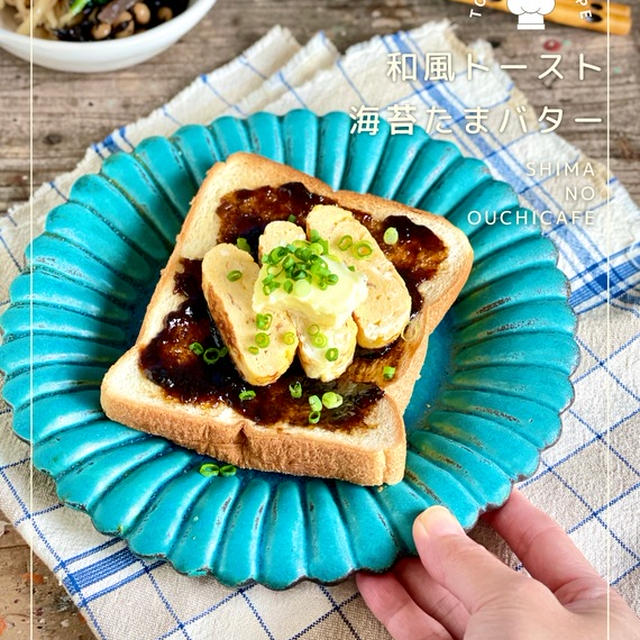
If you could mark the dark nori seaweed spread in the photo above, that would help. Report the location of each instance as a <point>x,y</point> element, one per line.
<point>170,363</point>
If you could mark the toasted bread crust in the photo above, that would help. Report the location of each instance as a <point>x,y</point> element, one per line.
<point>220,432</point>
<point>127,396</point>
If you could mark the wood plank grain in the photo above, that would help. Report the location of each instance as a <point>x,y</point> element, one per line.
<point>55,617</point>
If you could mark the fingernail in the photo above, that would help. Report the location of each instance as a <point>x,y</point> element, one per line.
<point>438,521</point>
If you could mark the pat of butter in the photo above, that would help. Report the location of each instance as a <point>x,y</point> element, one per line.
<point>326,307</point>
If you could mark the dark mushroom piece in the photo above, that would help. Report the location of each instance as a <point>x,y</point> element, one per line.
<point>114,9</point>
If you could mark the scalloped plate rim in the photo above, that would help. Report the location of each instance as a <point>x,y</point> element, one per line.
<point>166,557</point>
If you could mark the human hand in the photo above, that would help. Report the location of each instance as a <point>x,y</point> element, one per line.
<point>458,589</point>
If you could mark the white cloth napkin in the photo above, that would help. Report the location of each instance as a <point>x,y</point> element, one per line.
<point>123,597</point>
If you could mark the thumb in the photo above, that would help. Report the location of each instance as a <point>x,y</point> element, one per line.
<point>462,566</point>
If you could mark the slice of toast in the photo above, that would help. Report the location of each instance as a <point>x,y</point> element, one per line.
<point>369,453</point>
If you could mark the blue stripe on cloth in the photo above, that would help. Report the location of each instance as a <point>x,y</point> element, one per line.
<point>620,271</point>
<point>243,60</point>
<point>10,253</point>
<point>122,132</point>
<point>89,552</point>
<point>107,566</point>
<point>593,514</point>
<point>625,574</point>
<point>581,447</point>
<point>8,215</point>
<point>220,97</point>
<point>165,112</point>
<point>206,612</point>
<point>596,287</point>
<point>10,465</point>
<point>350,82</point>
<point>130,578</point>
<point>110,145</point>
<point>564,482</point>
<point>34,514</point>
<point>290,89</point>
<point>604,507</point>
<point>96,148</point>
<point>334,604</point>
<point>613,305</point>
<point>325,42</point>
<point>166,602</point>
<point>324,616</point>
<point>86,576</point>
<point>619,382</point>
<point>613,354</point>
<point>82,603</point>
<point>261,622</point>
<point>600,437</point>
<point>53,185</point>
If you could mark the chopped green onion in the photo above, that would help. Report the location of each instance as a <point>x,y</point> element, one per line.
<point>351,267</point>
<point>331,399</point>
<point>362,250</point>
<point>390,235</point>
<point>295,390</point>
<point>317,248</point>
<point>299,274</point>
<point>299,261</point>
<point>211,355</point>
<point>314,417</point>
<point>274,270</point>
<point>345,242</point>
<point>228,470</point>
<point>247,394</point>
<point>263,320</point>
<point>262,340</point>
<point>313,330</point>
<point>234,275</point>
<point>315,403</point>
<point>277,254</point>
<point>319,340</point>
<point>289,337</point>
<point>243,244</point>
<point>208,469</point>
<point>292,218</point>
<point>388,373</point>
<point>332,354</point>
<point>223,352</point>
<point>77,6</point>
<point>254,350</point>
<point>197,348</point>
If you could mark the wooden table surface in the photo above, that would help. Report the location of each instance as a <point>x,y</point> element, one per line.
<point>71,111</point>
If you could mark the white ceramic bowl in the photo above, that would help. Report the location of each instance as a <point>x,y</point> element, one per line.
<point>91,57</point>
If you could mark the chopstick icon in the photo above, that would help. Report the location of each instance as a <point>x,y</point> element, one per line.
<point>574,14</point>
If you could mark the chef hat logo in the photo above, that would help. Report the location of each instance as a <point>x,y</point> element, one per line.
<point>531,12</point>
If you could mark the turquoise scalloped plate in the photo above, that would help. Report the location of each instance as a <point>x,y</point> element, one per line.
<point>493,385</point>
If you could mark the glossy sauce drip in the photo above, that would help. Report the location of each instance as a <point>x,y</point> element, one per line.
<point>168,361</point>
<point>245,213</point>
<point>417,254</point>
